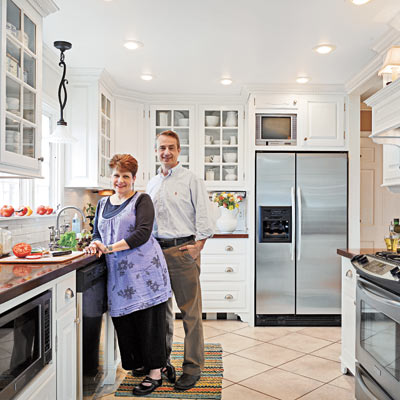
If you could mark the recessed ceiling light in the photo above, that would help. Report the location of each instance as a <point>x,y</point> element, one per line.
<point>324,48</point>
<point>146,77</point>
<point>133,44</point>
<point>359,2</point>
<point>226,81</point>
<point>302,79</point>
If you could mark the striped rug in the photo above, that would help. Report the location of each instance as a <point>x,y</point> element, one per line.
<point>208,387</point>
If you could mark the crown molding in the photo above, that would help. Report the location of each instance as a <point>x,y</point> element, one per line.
<point>44,7</point>
<point>383,94</point>
<point>290,88</point>
<point>395,22</point>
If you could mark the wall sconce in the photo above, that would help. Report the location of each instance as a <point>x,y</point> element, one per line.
<point>391,67</point>
<point>61,133</point>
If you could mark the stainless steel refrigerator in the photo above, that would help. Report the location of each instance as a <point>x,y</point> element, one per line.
<point>301,219</point>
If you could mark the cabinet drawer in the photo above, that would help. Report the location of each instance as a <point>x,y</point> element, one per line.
<point>222,268</point>
<point>66,292</point>
<point>224,246</point>
<point>223,296</point>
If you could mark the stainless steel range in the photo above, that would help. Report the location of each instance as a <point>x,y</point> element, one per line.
<point>378,326</point>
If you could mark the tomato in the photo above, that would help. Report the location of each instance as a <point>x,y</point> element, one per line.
<point>21,270</point>
<point>22,211</point>
<point>41,210</point>
<point>7,211</point>
<point>29,211</point>
<point>22,250</point>
<point>49,210</point>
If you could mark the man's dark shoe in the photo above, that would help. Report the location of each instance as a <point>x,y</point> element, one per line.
<point>169,372</point>
<point>186,381</point>
<point>142,371</point>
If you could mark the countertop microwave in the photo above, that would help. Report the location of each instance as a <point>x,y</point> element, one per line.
<point>276,129</point>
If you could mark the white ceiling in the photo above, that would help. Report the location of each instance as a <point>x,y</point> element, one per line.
<point>190,44</point>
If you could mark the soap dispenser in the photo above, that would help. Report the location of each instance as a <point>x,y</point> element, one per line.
<point>76,224</point>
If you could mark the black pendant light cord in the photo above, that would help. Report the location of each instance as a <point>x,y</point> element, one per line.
<point>62,89</point>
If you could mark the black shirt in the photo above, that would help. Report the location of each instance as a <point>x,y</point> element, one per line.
<point>144,219</point>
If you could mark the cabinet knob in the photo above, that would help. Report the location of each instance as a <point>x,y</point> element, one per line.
<point>228,269</point>
<point>294,102</point>
<point>228,297</point>
<point>41,159</point>
<point>69,294</point>
<point>305,139</point>
<point>349,273</point>
<point>229,248</point>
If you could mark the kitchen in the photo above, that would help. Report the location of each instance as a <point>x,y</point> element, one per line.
<point>118,99</point>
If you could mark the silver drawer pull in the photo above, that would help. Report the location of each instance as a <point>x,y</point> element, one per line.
<point>69,294</point>
<point>228,269</point>
<point>228,297</point>
<point>229,248</point>
<point>349,273</point>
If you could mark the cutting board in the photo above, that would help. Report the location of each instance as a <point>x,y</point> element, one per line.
<point>42,260</point>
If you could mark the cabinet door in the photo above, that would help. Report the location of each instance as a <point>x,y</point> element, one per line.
<point>324,121</point>
<point>221,155</point>
<point>21,110</point>
<point>179,119</point>
<point>130,137</point>
<point>391,164</point>
<point>274,101</point>
<point>66,356</point>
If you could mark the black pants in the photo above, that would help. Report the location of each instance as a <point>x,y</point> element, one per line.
<point>141,338</point>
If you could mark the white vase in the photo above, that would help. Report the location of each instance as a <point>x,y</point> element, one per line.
<point>231,118</point>
<point>227,222</point>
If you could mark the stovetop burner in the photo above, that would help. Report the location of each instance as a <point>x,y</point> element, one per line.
<point>388,255</point>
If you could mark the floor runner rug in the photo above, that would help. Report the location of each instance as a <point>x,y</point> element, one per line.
<point>208,387</point>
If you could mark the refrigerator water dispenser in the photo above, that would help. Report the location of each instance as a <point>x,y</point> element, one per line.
<point>276,224</point>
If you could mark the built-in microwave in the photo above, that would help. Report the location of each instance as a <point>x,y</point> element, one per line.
<point>276,129</point>
<point>25,343</point>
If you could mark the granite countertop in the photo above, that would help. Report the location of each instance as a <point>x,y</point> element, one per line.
<point>350,253</point>
<point>17,279</point>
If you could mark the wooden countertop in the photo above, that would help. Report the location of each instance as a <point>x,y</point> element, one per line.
<point>230,235</point>
<point>17,279</point>
<point>350,253</point>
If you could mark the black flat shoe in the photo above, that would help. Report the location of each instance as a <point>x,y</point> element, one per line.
<point>142,371</point>
<point>142,390</point>
<point>169,372</point>
<point>186,381</point>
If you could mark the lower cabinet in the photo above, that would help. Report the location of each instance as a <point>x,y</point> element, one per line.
<point>47,390</point>
<point>348,356</point>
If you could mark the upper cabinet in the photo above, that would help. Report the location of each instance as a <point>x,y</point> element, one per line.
<point>323,119</point>
<point>20,88</point>
<point>90,116</point>
<point>221,145</point>
<point>179,119</point>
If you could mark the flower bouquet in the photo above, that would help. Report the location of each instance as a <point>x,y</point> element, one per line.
<point>227,200</point>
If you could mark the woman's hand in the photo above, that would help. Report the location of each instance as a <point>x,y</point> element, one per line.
<point>94,248</point>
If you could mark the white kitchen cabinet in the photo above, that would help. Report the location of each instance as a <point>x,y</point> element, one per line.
<point>322,117</point>
<point>65,296</point>
<point>391,165</point>
<point>21,85</point>
<point>221,145</point>
<point>90,116</point>
<point>223,276</point>
<point>179,119</point>
<point>130,138</point>
<point>276,101</point>
<point>45,387</point>
<point>348,356</point>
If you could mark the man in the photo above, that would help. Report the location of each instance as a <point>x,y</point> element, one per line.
<point>181,226</point>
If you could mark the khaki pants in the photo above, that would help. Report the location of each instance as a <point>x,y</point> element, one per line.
<point>184,274</point>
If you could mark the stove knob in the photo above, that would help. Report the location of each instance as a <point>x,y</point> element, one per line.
<point>363,260</point>
<point>395,271</point>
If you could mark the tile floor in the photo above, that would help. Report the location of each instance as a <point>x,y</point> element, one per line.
<point>265,363</point>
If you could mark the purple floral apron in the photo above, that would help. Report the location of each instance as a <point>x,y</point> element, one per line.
<point>137,278</point>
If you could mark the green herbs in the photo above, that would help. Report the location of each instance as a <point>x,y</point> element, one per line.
<point>68,241</point>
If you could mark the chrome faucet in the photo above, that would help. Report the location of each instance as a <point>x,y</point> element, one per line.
<point>59,212</point>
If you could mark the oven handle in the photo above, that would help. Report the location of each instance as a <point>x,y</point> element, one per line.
<point>292,196</point>
<point>361,376</point>
<point>375,294</point>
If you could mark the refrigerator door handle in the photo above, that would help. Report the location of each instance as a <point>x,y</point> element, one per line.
<point>292,196</point>
<point>299,224</point>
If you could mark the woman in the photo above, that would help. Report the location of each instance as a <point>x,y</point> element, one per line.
<point>138,283</point>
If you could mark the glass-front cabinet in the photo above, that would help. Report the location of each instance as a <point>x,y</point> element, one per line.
<point>180,120</point>
<point>20,89</point>
<point>221,145</point>
<point>105,135</point>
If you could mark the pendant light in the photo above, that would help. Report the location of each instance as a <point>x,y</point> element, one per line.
<point>62,133</point>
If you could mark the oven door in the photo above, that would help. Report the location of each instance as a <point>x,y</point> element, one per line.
<point>378,335</point>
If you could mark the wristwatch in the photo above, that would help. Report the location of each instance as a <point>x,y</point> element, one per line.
<point>109,248</point>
